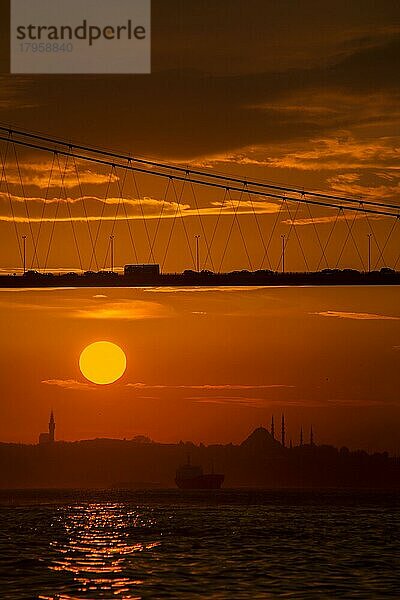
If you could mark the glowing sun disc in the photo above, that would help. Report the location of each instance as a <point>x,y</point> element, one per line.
<point>102,362</point>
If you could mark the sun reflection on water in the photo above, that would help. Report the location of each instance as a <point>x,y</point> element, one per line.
<point>99,546</point>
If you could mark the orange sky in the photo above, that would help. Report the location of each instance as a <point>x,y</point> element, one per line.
<point>65,207</point>
<point>284,91</point>
<point>205,365</point>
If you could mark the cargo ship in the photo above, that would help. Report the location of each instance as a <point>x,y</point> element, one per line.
<point>191,477</point>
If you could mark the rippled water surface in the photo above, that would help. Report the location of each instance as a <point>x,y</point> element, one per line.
<point>226,545</point>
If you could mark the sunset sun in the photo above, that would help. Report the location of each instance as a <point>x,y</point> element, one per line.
<point>102,362</point>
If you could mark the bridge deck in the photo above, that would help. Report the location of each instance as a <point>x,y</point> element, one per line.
<point>193,279</point>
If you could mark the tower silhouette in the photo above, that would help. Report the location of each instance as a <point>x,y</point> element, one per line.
<point>311,436</point>
<point>272,427</point>
<point>52,427</point>
<point>48,438</point>
<point>301,435</point>
<point>283,430</point>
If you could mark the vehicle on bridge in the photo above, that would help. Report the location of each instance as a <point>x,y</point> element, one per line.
<point>142,270</point>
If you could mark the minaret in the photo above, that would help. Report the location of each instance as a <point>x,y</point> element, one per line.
<point>272,427</point>
<point>283,430</point>
<point>301,436</point>
<point>52,428</point>
<point>311,436</point>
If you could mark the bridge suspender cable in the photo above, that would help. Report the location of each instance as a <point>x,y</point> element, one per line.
<point>360,208</point>
<point>78,179</point>
<point>186,170</point>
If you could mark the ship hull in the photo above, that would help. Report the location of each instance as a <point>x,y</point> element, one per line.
<point>213,481</point>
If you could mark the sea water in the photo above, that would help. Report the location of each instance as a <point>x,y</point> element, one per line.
<point>220,545</point>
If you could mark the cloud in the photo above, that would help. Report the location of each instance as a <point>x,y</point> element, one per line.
<point>341,150</point>
<point>226,400</point>
<point>207,103</point>
<point>202,289</point>
<point>127,310</point>
<point>220,399</point>
<point>208,387</point>
<point>302,402</point>
<point>71,384</point>
<point>328,219</point>
<point>381,192</point>
<point>97,308</point>
<point>357,316</point>
<point>147,203</point>
<point>376,160</point>
<point>139,209</point>
<point>37,174</point>
<point>28,290</point>
<point>326,100</point>
<point>229,393</point>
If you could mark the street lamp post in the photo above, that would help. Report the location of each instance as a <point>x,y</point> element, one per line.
<point>112,238</point>
<point>369,252</point>
<point>24,252</point>
<point>197,238</point>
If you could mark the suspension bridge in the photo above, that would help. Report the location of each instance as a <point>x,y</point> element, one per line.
<point>74,214</point>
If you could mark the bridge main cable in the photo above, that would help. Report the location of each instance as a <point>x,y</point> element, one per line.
<point>360,208</point>
<point>187,170</point>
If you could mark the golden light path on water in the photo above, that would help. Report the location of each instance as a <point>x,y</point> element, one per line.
<point>98,547</point>
<point>246,544</point>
